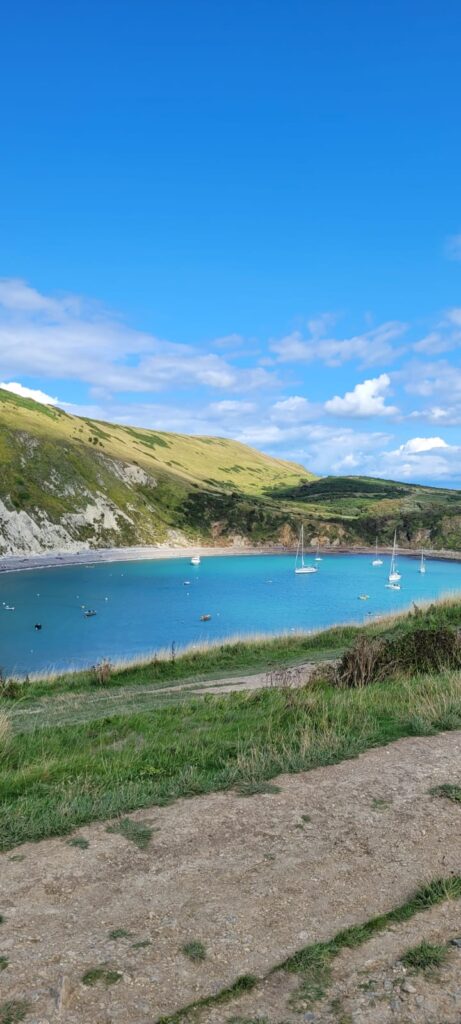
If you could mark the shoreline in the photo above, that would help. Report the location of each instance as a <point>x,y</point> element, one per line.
<point>52,560</point>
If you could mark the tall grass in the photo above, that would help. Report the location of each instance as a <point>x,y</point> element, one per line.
<point>5,734</point>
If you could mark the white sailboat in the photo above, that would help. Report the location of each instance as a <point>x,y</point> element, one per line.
<point>195,560</point>
<point>377,560</point>
<point>302,569</point>
<point>422,564</point>
<point>394,575</point>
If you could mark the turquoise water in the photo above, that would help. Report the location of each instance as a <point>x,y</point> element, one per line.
<point>143,606</point>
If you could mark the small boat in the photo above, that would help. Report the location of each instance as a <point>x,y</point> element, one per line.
<point>205,618</point>
<point>186,583</point>
<point>377,560</point>
<point>302,569</point>
<point>393,586</point>
<point>9,607</point>
<point>38,625</point>
<point>422,564</point>
<point>394,575</point>
<point>89,613</point>
<point>364,597</point>
<point>195,560</point>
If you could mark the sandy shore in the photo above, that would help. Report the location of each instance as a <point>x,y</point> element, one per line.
<point>52,560</point>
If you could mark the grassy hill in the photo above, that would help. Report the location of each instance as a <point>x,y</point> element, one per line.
<point>365,508</point>
<point>68,483</point>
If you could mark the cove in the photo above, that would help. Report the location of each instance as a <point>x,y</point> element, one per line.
<point>148,605</point>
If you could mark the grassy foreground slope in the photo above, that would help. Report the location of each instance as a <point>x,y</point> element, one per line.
<point>68,482</point>
<point>57,777</point>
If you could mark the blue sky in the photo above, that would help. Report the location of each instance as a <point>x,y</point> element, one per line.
<point>240,219</point>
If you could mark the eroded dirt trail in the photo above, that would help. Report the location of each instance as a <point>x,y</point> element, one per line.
<point>253,879</point>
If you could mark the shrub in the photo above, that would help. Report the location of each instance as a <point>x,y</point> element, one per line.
<point>425,649</point>
<point>362,664</point>
<point>102,673</point>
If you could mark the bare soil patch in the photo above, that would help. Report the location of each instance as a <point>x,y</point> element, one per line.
<point>251,880</point>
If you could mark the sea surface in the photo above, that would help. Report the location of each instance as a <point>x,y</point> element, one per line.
<point>148,605</point>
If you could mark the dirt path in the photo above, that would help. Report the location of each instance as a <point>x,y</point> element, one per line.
<point>253,879</point>
<point>59,709</point>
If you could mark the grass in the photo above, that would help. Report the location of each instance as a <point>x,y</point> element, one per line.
<point>135,831</point>
<point>243,984</point>
<point>13,1011</point>
<point>79,842</point>
<point>194,950</point>
<point>199,662</point>
<point>3,963</point>
<point>313,963</point>
<point>378,804</point>
<point>55,780</point>
<point>424,958</point>
<point>5,733</point>
<point>449,790</point>
<point>101,975</point>
<point>119,933</point>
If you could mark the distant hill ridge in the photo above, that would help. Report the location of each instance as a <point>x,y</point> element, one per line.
<point>69,483</point>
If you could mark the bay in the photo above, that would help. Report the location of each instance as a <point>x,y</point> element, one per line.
<point>149,605</point>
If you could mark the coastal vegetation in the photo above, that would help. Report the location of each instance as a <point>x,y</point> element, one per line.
<point>56,777</point>
<point>69,483</point>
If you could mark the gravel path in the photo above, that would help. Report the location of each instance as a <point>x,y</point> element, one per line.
<point>253,879</point>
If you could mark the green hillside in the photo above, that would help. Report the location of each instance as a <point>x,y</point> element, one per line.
<point>365,507</point>
<point>68,483</point>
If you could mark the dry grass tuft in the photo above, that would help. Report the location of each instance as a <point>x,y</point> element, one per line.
<point>5,732</point>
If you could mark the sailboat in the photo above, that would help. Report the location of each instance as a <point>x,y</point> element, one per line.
<point>394,575</point>
<point>377,560</point>
<point>195,560</point>
<point>422,564</point>
<point>302,568</point>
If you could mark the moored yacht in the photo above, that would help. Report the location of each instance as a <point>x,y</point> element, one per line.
<point>302,568</point>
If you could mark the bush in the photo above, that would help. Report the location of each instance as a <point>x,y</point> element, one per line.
<point>102,673</point>
<point>421,650</point>
<point>9,687</point>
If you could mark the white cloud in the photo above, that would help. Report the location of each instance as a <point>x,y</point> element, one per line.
<point>453,247</point>
<point>36,395</point>
<point>231,408</point>
<point>372,347</point>
<point>69,338</point>
<point>420,444</point>
<point>367,399</point>
<point>422,458</point>
<point>293,409</point>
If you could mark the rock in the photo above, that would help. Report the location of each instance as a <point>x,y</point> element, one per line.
<point>408,987</point>
<point>456,942</point>
<point>65,993</point>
